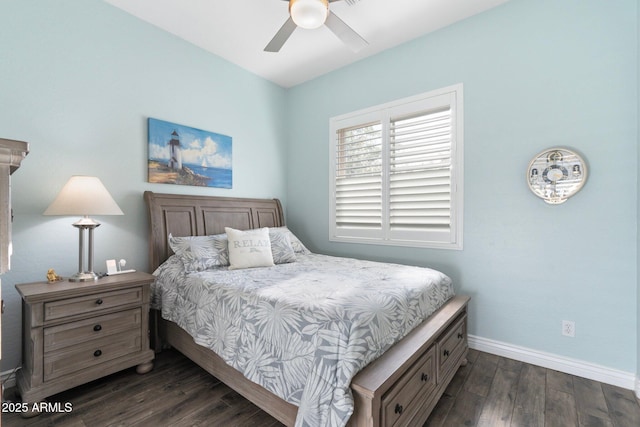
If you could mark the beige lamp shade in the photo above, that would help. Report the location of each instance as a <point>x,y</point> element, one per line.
<point>83,195</point>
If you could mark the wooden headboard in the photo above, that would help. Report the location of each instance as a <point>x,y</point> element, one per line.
<point>182,215</point>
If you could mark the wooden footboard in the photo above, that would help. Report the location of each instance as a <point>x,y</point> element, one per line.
<point>400,388</point>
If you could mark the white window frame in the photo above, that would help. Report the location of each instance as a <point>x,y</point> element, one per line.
<point>452,97</point>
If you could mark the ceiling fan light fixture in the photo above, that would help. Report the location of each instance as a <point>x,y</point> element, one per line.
<point>309,14</point>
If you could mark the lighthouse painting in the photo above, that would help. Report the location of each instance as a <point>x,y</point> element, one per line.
<point>184,155</point>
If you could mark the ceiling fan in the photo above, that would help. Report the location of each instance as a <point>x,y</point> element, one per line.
<point>312,14</point>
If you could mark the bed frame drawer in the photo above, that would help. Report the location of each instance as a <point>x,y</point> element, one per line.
<point>452,346</point>
<point>406,395</point>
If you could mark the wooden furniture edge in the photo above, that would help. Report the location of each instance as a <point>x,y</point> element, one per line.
<point>39,291</point>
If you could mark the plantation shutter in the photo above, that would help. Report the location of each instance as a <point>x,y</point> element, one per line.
<point>420,176</point>
<point>397,172</point>
<point>358,180</point>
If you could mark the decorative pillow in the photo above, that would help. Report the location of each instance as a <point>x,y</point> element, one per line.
<point>199,253</point>
<point>250,248</point>
<point>296,244</point>
<point>281,247</point>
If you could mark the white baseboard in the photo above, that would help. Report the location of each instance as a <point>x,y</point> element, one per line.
<point>559,363</point>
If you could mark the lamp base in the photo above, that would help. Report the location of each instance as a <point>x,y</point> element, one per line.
<point>82,224</point>
<point>87,276</point>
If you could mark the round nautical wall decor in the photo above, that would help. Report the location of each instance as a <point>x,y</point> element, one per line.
<point>556,174</point>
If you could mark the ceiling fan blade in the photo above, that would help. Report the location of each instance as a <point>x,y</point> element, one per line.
<point>281,36</point>
<point>345,32</point>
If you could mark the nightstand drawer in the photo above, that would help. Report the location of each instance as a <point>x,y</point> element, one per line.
<point>91,303</point>
<point>79,332</point>
<point>92,353</point>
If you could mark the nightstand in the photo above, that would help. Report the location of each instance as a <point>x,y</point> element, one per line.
<point>76,332</point>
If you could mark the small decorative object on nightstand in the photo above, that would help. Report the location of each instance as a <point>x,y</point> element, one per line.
<point>52,277</point>
<point>75,333</point>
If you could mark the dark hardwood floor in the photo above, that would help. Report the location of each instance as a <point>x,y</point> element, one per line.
<point>490,391</point>
<point>493,391</point>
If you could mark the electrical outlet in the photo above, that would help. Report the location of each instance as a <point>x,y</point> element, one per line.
<point>569,328</point>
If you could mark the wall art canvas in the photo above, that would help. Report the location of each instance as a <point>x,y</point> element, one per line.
<point>187,156</point>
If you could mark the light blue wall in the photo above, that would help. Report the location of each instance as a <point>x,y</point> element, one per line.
<point>78,79</point>
<point>536,74</point>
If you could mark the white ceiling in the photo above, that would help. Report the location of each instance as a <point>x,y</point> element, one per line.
<point>238,30</point>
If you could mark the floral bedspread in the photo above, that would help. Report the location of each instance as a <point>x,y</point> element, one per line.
<point>301,330</point>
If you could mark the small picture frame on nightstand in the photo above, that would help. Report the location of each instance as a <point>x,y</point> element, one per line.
<point>111,266</point>
<point>114,267</point>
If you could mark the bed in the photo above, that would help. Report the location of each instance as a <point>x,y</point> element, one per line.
<point>398,385</point>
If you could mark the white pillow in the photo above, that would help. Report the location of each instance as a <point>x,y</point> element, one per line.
<point>250,248</point>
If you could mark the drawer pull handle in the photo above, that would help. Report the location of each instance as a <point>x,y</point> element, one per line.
<point>446,352</point>
<point>424,377</point>
<point>460,336</point>
<point>97,328</point>
<point>97,353</point>
<point>99,301</point>
<point>399,408</point>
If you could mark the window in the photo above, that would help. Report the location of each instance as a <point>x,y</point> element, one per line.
<point>396,172</point>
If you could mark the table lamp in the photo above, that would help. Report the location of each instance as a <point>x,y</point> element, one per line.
<point>84,195</point>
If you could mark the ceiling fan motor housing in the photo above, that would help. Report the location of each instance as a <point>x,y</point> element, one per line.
<point>309,14</point>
